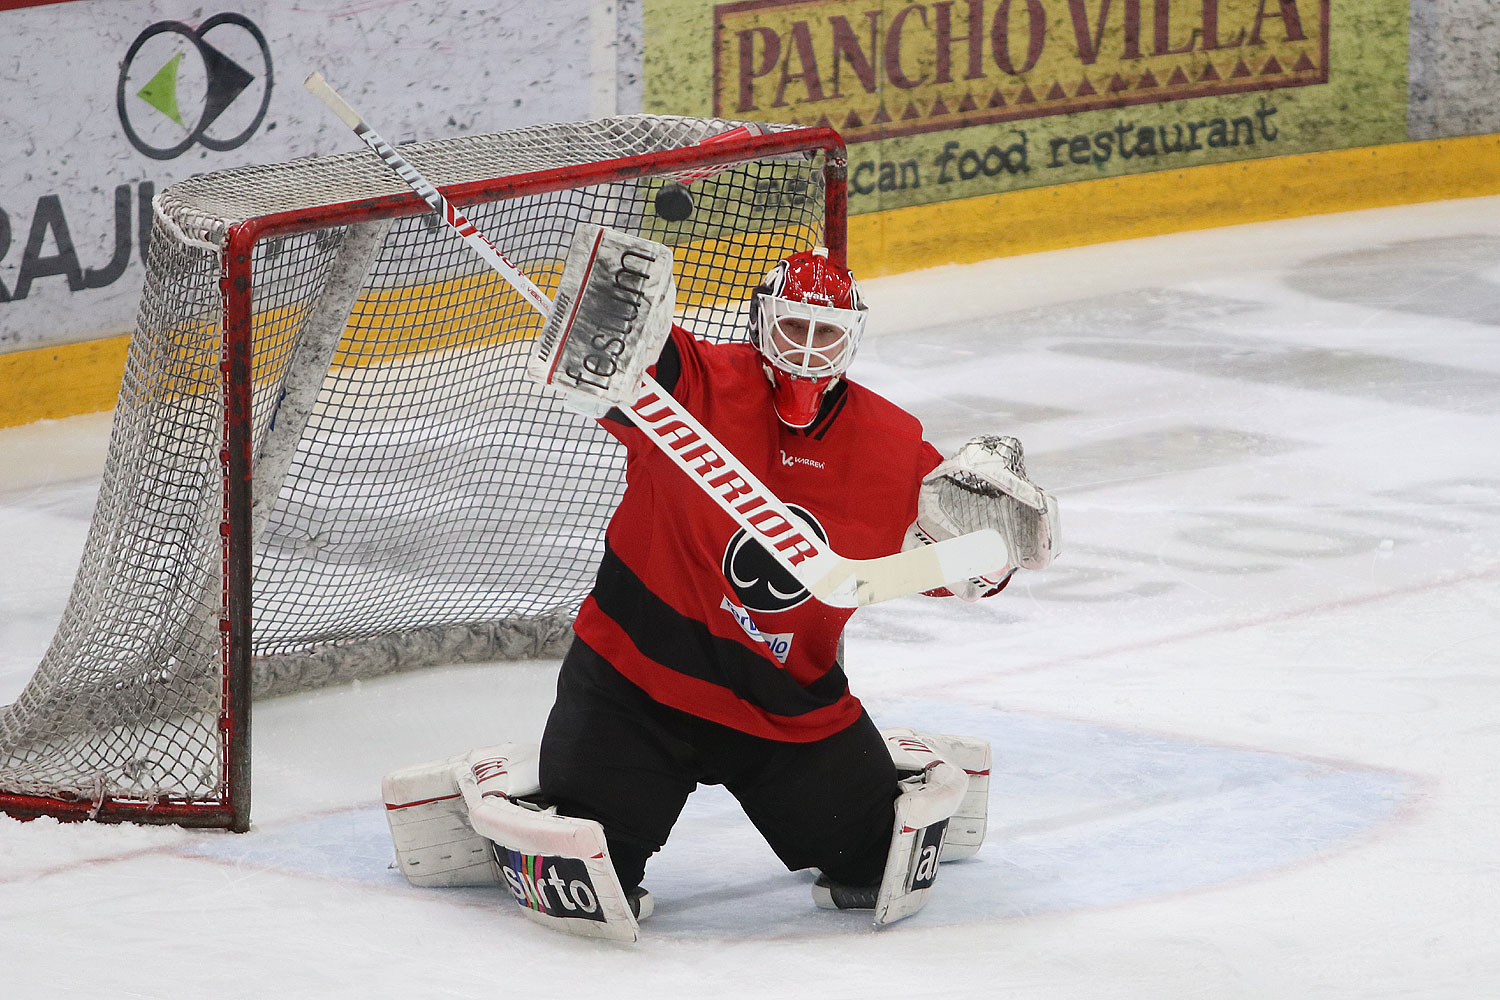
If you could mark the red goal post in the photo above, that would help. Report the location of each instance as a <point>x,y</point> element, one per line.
<point>325,463</point>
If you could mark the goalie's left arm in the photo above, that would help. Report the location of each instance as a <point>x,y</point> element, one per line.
<point>985,485</point>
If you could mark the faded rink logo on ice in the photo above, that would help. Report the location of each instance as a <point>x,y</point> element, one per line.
<point>1203,815</point>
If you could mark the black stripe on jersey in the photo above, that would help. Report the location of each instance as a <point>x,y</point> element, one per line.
<point>832,405</point>
<point>669,365</point>
<point>668,371</point>
<point>686,646</point>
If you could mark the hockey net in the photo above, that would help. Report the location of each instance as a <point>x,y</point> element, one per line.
<point>414,500</point>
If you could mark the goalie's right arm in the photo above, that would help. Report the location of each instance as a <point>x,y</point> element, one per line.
<point>985,485</point>
<point>610,317</point>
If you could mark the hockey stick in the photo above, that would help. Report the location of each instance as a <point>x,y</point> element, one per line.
<point>828,576</point>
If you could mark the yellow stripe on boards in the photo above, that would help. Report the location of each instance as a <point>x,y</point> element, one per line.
<point>63,381</point>
<point>52,382</point>
<point>1170,201</point>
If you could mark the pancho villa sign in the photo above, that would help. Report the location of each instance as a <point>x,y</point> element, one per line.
<point>877,70</point>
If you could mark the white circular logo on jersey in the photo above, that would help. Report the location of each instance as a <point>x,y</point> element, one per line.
<point>759,581</point>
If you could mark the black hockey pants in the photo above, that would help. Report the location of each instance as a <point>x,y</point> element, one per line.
<point>613,754</point>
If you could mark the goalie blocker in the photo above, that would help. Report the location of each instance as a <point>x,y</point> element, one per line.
<point>610,317</point>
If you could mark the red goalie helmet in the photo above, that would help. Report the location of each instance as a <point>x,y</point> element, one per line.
<point>806,318</point>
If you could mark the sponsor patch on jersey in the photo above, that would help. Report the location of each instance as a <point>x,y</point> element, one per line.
<point>779,643</point>
<point>794,460</point>
<point>558,887</point>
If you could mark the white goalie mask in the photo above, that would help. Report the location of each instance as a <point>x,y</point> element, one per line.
<point>806,318</point>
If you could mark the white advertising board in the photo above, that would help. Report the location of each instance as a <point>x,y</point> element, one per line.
<point>105,102</point>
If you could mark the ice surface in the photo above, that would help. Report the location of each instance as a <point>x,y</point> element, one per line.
<point>1245,729</point>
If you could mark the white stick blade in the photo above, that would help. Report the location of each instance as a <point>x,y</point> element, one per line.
<point>858,582</point>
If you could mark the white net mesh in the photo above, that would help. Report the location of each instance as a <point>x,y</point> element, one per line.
<point>435,505</point>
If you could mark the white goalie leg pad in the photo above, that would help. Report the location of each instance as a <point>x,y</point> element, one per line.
<point>612,313</point>
<point>429,820</point>
<point>966,827</point>
<point>557,868</point>
<point>928,798</point>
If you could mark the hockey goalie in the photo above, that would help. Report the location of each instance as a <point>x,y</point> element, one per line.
<point>698,659</point>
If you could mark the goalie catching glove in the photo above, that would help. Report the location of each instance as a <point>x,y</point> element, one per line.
<point>609,320</point>
<point>984,485</point>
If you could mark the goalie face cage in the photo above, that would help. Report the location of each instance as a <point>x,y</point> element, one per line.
<point>415,499</point>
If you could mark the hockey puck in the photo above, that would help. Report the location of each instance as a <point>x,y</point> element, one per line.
<point>674,203</point>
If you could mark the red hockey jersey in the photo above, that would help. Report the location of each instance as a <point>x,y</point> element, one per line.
<point>696,613</point>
